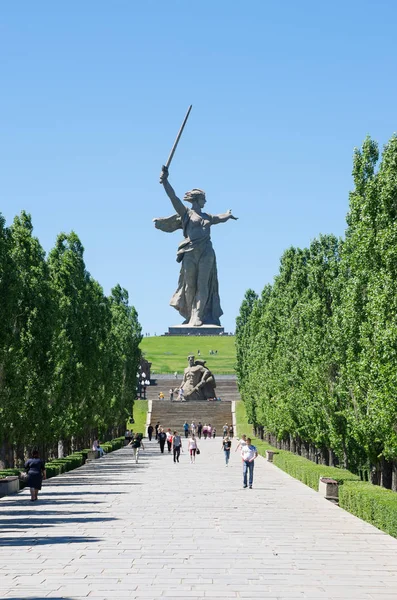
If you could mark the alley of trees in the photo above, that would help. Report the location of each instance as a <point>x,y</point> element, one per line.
<point>317,350</point>
<point>68,353</point>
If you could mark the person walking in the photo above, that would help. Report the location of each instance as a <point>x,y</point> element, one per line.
<point>171,394</point>
<point>242,442</point>
<point>248,454</point>
<point>226,446</point>
<point>193,428</point>
<point>150,432</point>
<point>157,429</point>
<point>209,431</point>
<point>199,429</point>
<point>205,431</point>
<point>177,446</point>
<point>162,439</point>
<point>169,439</point>
<point>136,444</point>
<point>192,448</point>
<point>186,429</point>
<point>231,432</point>
<point>213,433</point>
<point>225,430</point>
<point>35,468</point>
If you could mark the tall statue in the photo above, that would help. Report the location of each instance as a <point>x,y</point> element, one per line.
<point>197,296</point>
<point>198,382</point>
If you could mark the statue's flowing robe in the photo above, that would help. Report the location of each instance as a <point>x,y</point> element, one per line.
<point>204,254</point>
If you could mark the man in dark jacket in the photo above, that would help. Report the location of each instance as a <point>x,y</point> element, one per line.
<point>150,432</point>
<point>177,446</point>
<point>162,436</point>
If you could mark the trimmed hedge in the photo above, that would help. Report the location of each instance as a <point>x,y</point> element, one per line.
<point>62,465</point>
<point>371,503</point>
<point>302,468</point>
<point>9,472</point>
<point>297,466</point>
<point>309,472</point>
<point>68,463</point>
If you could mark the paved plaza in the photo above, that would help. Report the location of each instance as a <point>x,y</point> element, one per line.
<point>113,529</point>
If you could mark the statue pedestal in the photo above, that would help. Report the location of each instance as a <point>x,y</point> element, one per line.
<point>196,331</point>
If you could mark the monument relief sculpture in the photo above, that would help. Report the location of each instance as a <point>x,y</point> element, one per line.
<point>197,296</point>
<point>198,382</point>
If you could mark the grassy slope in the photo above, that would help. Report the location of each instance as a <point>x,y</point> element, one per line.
<point>169,354</point>
<point>139,411</point>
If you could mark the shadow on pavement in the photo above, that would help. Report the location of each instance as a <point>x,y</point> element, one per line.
<point>38,521</point>
<point>42,541</point>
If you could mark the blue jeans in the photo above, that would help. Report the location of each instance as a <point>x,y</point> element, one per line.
<point>227,455</point>
<point>248,466</point>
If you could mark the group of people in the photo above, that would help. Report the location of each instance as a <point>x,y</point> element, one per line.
<point>174,394</point>
<point>174,442</point>
<point>35,467</point>
<point>205,431</point>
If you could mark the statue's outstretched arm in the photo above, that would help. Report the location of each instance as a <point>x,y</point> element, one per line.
<point>169,190</point>
<point>223,218</point>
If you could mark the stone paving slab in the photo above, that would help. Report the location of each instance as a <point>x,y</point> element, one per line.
<point>114,529</point>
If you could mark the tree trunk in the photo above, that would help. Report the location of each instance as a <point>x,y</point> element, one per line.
<point>386,474</point>
<point>394,476</point>
<point>375,474</point>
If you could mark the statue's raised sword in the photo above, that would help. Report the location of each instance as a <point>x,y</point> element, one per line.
<point>178,137</point>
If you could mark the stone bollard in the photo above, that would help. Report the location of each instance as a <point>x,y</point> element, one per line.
<point>92,455</point>
<point>329,489</point>
<point>269,455</point>
<point>9,485</point>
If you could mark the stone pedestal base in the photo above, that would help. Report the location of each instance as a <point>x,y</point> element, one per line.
<point>9,485</point>
<point>202,330</point>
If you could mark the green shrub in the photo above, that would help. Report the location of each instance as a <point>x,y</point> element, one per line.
<point>371,503</point>
<point>9,472</point>
<point>62,465</point>
<point>309,472</point>
<point>52,469</point>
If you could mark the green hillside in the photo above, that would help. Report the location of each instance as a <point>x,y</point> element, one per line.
<point>169,354</point>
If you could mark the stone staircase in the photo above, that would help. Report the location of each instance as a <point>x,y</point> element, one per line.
<point>174,414</point>
<point>226,387</point>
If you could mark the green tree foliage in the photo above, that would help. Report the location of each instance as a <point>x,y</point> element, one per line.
<point>28,336</point>
<point>317,351</point>
<point>68,354</point>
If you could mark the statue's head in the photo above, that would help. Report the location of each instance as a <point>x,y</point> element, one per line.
<point>190,360</point>
<point>195,196</point>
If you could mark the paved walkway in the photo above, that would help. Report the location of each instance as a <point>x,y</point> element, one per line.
<point>113,529</point>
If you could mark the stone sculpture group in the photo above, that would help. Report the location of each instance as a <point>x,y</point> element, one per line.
<point>198,382</point>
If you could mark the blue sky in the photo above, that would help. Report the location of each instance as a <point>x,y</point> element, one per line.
<point>93,94</point>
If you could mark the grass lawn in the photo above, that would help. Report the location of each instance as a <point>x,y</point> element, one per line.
<point>139,411</point>
<point>169,353</point>
<point>242,425</point>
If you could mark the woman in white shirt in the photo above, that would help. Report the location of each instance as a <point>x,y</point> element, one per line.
<point>192,447</point>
